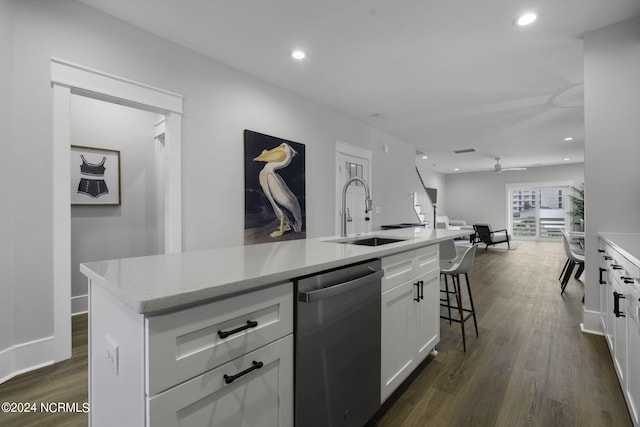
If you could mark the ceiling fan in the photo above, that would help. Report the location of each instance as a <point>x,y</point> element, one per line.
<point>499,169</point>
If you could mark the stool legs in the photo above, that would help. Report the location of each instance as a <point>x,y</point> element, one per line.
<point>457,290</point>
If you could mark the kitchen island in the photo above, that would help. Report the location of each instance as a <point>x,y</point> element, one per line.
<point>168,331</point>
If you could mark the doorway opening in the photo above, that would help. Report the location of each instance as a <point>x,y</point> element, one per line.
<point>352,161</point>
<point>69,79</point>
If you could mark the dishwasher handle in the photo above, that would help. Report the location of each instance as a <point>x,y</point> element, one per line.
<point>330,291</point>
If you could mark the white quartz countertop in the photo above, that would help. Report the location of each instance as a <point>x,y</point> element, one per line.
<point>628,244</point>
<point>159,283</point>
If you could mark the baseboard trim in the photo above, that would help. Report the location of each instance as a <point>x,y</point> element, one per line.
<point>591,322</point>
<point>79,304</point>
<point>25,357</point>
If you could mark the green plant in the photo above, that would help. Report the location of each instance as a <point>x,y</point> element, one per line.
<point>577,201</point>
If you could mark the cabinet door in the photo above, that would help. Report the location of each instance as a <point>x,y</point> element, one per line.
<point>262,394</point>
<point>397,358</point>
<point>633,368</point>
<point>605,287</point>
<point>620,336</point>
<point>427,318</point>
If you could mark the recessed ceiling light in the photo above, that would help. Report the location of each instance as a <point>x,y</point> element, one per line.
<point>566,159</point>
<point>526,19</point>
<point>298,54</point>
<point>569,138</point>
<point>456,169</point>
<point>425,157</point>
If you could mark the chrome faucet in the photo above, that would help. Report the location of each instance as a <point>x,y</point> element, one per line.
<point>367,202</point>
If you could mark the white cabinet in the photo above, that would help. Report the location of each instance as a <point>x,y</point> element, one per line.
<point>229,362</point>
<point>410,314</point>
<point>633,350</point>
<point>619,305</point>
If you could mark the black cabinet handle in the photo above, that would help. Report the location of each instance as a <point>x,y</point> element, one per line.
<point>607,258</point>
<point>627,280</point>
<point>417,285</point>
<point>250,324</point>
<point>616,304</point>
<point>601,251</point>
<point>231,378</point>
<point>616,267</point>
<point>602,270</point>
<point>421,289</point>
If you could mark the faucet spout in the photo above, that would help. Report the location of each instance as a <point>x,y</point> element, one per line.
<point>367,202</point>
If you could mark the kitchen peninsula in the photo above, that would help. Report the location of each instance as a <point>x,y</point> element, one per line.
<point>168,333</point>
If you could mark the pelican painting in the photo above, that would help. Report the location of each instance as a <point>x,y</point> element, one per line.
<point>281,181</point>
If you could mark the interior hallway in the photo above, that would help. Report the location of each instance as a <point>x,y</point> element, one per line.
<point>530,366</point>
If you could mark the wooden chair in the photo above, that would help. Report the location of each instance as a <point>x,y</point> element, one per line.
<point>484,234</point>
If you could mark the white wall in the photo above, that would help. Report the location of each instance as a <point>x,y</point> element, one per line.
<point>612,148</point>
<point>131,229</point>
<point>482,197</point>
<point>7,188</point>
<point>219,103</point>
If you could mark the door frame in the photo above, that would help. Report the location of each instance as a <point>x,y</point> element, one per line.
<point>69,79</point>
<point>354,151</point>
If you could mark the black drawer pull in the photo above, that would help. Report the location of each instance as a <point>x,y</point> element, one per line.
<point>601,251</point>
<point>602,281</point>
<point>627,280</point>
<point>616,304</point>
<point>250,324</point>
<point>607,258</point>
<point>417,285</point>
<point>228,379</point>
<point>616,267</point>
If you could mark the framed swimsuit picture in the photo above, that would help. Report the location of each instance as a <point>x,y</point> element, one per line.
<point>95,176</point>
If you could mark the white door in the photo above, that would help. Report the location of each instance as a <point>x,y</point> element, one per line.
<point>353,162</point>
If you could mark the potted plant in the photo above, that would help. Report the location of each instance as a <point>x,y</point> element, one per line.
<point>577,201</point>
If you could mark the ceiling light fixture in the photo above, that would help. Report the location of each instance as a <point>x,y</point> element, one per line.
<point>298,54</point>
<point>526,19</point>
<point>456,169</point>
<point>566,159</point>
<point>569,138</point>
<point>425,157</point>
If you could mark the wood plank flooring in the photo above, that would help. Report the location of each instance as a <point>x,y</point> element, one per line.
<point>530,366</point>
<point>64,382</point>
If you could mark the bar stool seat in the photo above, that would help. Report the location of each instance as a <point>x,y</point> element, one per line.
<point>461,266</point>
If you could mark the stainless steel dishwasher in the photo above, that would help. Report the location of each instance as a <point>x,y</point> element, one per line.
<point>337,346</point>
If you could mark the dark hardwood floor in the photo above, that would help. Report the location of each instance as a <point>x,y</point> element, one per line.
<point>530,366</point>
<point>64,382</point>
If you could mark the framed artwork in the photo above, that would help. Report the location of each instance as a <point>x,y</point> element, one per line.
<point>95,176</point>
<point>274,180</point>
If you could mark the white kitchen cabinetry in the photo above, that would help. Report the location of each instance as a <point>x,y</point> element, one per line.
<point>619,305</point>
<point>410,313</point>
<point>229,362</point>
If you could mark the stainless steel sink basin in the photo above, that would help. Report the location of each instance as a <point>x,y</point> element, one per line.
<point>370,241</point>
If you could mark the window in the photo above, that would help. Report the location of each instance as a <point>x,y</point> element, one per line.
<point>538,212</point>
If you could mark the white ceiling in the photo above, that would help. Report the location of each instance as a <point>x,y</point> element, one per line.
<point>443,75</point>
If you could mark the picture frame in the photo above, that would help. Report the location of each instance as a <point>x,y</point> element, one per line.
<point>95,176</point>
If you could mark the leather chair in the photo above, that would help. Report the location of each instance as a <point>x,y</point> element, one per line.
<point>484,234</point>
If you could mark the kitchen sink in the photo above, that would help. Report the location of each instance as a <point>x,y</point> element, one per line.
<point>369,241</point>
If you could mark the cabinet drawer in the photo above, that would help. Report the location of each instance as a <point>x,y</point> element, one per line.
<point>397,269</point>
<point>186,343</point>
<point>427,259</point>
<point>263,396</point>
